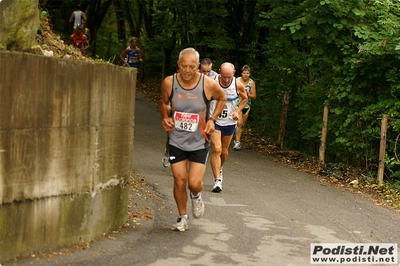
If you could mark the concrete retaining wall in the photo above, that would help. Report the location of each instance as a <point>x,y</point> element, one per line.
<point>66,139</point>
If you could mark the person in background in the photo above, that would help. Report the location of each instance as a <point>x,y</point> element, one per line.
<point>132,55</point>
<point>226,123</point>
<point>206,68</point>
<point>188,94</point>
<point>250,86</point>
<point>86,31</point>
<point>79,40</point>
<point>77,17</point>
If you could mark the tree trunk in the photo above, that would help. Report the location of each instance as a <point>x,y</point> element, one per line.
<point>243,12</point>
<point>285,104</point>
<point>148,14</point>
<point>120,14</point>
<point>246,29</point>
<point>97,10</point>
<point>129,16</point>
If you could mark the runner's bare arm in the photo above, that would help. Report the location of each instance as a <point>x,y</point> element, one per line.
<point>166,89</point>
<point>243,95</point>
<point>253,92</point>
<point>140,55</point>
<point>87,43</point>
<point>214,91</point>
<point>122,56</point>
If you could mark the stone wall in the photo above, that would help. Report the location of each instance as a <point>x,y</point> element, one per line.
<point>19,23</point>
<point>66,139</point>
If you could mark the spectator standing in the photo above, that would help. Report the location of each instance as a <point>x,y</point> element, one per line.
<point>132,55</point>
<point>250,86</point>
<point>225,125</point>
<point>188,94</point>
<point>77,16</point>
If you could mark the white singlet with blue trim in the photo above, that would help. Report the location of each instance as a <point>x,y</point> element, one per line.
<point>225,118</point>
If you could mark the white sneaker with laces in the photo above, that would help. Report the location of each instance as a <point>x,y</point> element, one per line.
<point>181,224</point>
<point>217,185</point>
<point>237,146</point>
<point>197,206</point>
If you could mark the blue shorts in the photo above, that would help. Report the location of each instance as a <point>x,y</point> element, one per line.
<point>226,130</point>
<point>177,155</point>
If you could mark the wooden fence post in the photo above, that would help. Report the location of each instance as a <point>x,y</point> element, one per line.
<point>324,132</point>
<point>285,104</point>
<point>382,149</point>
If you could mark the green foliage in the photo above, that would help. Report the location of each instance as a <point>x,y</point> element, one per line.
<point>268,101</point>
<point>344,53</point>
<point>108,45</point>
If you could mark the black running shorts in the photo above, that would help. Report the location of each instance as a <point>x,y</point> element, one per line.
<point>177,155</point>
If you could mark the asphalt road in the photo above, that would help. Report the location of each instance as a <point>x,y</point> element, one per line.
<point>267,214</point>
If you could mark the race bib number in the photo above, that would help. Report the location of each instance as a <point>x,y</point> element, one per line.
<point>132,59</point>
<point>224,113</point>
<point>186,121</point>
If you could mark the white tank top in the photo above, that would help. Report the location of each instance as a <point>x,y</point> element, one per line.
<point>77,18</point>
<point>225,118</point>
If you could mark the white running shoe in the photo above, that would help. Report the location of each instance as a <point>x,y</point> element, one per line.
<point>165,159</point>
<point>217,185</point>
<point>181,224</point>
<point>197,206</point>
<point>237,146</point>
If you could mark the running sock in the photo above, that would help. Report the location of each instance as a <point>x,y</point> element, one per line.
<point>193,196</point>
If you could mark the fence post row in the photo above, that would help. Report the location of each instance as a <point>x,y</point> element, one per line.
<point>382,146</point>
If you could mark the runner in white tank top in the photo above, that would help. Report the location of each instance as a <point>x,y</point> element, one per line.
<point>226,122</point>
<point>77,16</point>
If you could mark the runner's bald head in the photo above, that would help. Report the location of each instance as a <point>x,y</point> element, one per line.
<point>227,66</point>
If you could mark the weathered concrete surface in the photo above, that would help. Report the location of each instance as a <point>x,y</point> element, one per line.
<point>57,221</point>
<point>66,140</point>
<point>19,22</point>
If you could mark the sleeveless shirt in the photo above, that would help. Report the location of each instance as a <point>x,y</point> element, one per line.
<point>189,109</point>
<point>133,57</point>
<point>232,100</point>
<point>77,18</point>
<point>248,89</point>
<point>78,40</point>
